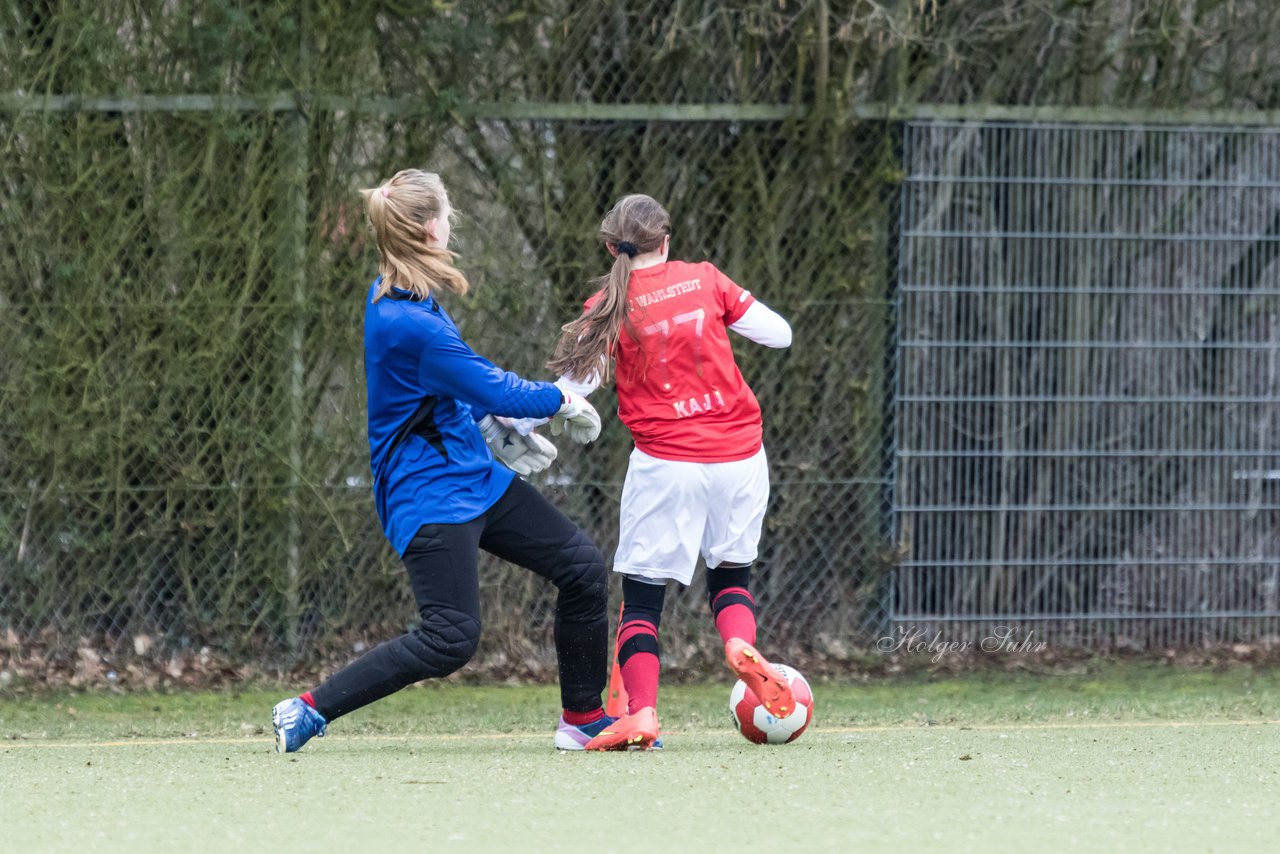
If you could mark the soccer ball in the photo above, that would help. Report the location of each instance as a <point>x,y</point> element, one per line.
<point>760,727</point>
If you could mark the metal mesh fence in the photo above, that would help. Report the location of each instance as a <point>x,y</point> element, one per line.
<point>1068,429</point>
<point>1089,372</point>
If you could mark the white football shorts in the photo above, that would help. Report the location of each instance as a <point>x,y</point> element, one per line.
<point>673,510</point>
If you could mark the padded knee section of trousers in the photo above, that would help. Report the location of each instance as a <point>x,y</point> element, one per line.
<point>443,642</point>
<point>583,583</point>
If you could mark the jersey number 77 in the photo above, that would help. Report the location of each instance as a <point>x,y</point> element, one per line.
<point>662,329</point>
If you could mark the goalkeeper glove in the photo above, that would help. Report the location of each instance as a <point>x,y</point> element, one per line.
<point>524,455</point>
<point>576,417</point>
<point>567,385</point>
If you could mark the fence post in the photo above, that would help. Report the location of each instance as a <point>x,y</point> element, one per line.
<point>294,255</point>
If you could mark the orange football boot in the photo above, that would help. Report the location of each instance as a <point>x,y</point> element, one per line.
<point>629,732</point>
<point>765,682</point>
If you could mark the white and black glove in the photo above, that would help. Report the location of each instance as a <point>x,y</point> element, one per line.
<point>524,455</point>
<point>566,385</point>
<point>577,418</point>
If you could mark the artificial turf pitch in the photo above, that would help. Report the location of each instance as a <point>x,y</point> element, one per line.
<point>1122,758</point>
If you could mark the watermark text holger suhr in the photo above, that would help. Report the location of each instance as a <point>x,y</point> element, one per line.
<point>1002,640</point>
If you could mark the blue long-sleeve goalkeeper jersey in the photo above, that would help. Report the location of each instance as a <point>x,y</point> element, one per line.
<point>427,389</point>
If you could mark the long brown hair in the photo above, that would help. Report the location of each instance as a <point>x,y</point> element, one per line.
<point>398,210</point>
<point>636,225</point>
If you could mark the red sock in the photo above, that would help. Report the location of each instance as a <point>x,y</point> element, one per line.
<point>638,660</point>
<point>307,698</point>
<point>735,614</point>
<point>582,718</point>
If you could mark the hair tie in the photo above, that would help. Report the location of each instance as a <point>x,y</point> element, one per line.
<point>386,191</point>
<point>627,248</point>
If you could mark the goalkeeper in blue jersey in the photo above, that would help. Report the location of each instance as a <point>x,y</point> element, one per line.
<point>435,428</point>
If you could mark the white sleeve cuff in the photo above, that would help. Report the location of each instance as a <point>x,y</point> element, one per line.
<point>581,387</point>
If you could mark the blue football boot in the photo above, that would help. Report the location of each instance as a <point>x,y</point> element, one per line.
<point>295,723</point>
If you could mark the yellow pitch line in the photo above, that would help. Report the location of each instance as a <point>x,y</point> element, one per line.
<point>519,736</point>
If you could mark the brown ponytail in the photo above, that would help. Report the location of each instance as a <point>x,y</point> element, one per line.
<point>398,211</point>
<point>636,225</point>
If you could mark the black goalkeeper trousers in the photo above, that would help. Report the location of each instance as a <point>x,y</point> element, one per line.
<point>525,529</point>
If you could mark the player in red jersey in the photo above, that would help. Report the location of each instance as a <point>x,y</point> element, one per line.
<point>697,481</point>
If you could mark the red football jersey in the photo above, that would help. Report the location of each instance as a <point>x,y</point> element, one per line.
<point>679,389</point>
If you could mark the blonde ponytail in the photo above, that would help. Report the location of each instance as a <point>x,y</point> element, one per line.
<point>398,213</point>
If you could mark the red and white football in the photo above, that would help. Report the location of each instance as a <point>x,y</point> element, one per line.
<point>760,727</point>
